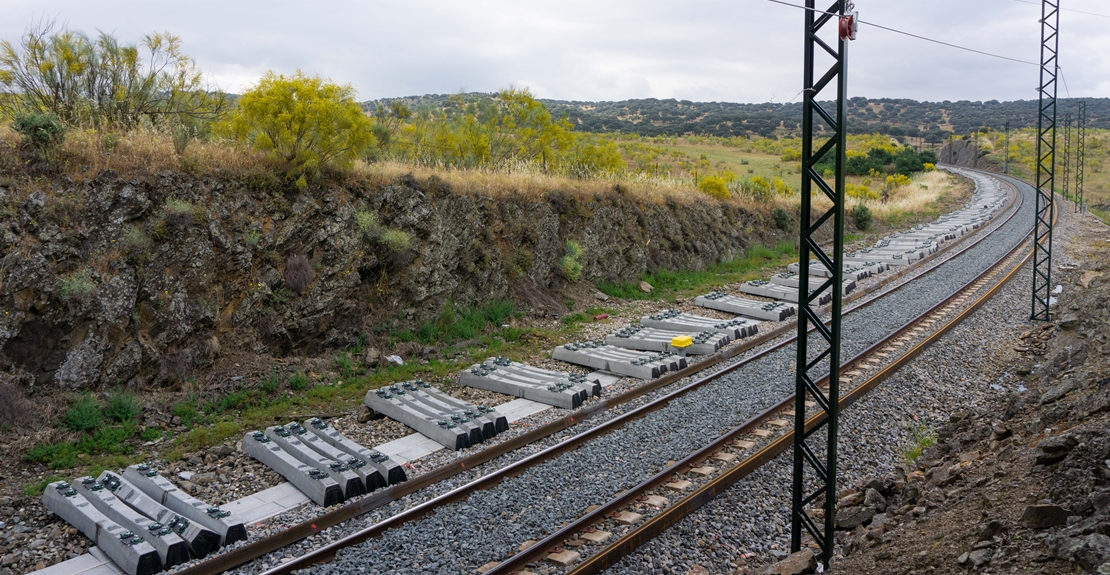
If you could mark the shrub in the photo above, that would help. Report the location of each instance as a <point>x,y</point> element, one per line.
<point>368,225</point>
<point>77,286</point>
<point>715,186</point>
<point>304,121</point>
<point>15,408</point>
<point>271,382</point>
<point>122,407</point>
<point>84,415</point>
<point>43,131</point>
<point>299,381</point>
<point>569,266</point>
<point>861,216</point>
<point>781,218</point>
<point>178,213</point>
<point>344,364</point>
<point>396,240</point>
<point>252,238</point>
<point>298,273</point>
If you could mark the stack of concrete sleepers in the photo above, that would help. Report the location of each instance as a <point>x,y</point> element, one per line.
<point>675,320</point>
<point>791,279</point>
<point>389,469</point>
<point>199,539</point>
<point>765,288</point>
<point>317,485</point>
<point>852,270</point>
<point>352,483</point>
<point>556,388</point>
<point>129,550</point>
<point>171,548</point>
<point>645,338</point>
<point>768,311</point>
<point>598,355</point>
<point>161,490</point>
<point>447,420</point>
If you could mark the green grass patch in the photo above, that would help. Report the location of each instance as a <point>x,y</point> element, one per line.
<point>668,284</point>
<point>84,415</point>
<point>298,381</point>
<point>454,324</point>
<point>923,437</point>
<point>122,407</point>
<point>35,489</point>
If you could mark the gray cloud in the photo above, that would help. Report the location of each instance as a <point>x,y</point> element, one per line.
<point>737,50</point>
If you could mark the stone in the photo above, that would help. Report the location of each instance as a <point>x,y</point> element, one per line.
<point>991,529</point>
<point>601,296</point>
<point>1059,390</point>
<point>371,357</point>
<point>1087,277</point>
<point>365,414</point>
<point>1054,449</point>
<point>645,287</point>
<point>979,557</point>
<point>1042,516</point>
<point>875,499</point>
<point>1089,552</point>
<point>1100,500</point>
<point>697,570</point>
<point>851,517</point>
<point>1069,321</point>
<point>803,562</point>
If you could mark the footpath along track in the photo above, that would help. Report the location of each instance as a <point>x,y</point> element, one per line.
<point>398,499</point>
<point>495,521</point>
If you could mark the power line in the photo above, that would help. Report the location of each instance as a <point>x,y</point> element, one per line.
<point>1066,9</point>
<point>911,35</point>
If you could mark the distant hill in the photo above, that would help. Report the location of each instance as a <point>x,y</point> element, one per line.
<point>933,121</point>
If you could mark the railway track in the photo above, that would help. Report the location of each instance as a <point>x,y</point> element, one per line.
<point>538,550</point>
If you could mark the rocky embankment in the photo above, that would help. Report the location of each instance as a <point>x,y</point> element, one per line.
<point>149,280</point>
<point>966,154</point>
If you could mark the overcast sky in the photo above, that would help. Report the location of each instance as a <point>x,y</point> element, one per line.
<point>702,50</point>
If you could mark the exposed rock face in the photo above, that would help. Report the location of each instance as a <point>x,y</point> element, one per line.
<point>111,279</point>
<point>966,154</point>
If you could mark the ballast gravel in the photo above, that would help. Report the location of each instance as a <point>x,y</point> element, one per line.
<point>749,524</point>
<point>491,524</point>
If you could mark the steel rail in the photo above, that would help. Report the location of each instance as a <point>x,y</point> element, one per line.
<point>306,529</point>
<point>668,517</point>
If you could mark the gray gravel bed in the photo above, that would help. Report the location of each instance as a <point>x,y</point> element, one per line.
<point>491,524</point>
<point>749,524</point>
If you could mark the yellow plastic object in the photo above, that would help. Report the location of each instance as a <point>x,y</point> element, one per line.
<point>682,341</point>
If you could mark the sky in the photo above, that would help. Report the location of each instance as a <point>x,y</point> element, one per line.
<point>701,50</point>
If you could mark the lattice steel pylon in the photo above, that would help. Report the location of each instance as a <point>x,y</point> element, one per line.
<point>1046,159</point>
<point>1080,154</point>
<point>1067,152</point>
<point>836,24</point>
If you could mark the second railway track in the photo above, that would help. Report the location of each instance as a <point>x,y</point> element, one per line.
<point>568,464</point>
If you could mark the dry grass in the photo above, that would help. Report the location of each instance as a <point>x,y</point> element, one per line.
<point>918,197</point>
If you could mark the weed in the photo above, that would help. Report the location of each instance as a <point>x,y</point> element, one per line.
<point>781,218</point>
<point>150,434</point>
<point>923,437</point>
<point>134,238</point>
<point>368,225</point>
<point>77,286</point>
<point>298,381</point>
<point>36,488</point>
<point>272,382</point>
<point>396,240</point>
<point>122,407</point>
<point>298,273</point>
<point>187,411</point>
<point>861,216</point>
<point>178,213</point>
<point>668,283</point>
<point>569,265</point>
<point>344,365</point>
<point>252,238</point>
<point>457,324</point>
<point>84,415</point>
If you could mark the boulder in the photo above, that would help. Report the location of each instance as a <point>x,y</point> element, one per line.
<point>849,518</point>
<point>1088,552</point>
<point>1041,516</point>
<point>803,562</point>
<point>1054,449</point>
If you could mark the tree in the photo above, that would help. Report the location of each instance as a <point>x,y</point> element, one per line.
<point>304,121</point>
<point>103,83</point>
